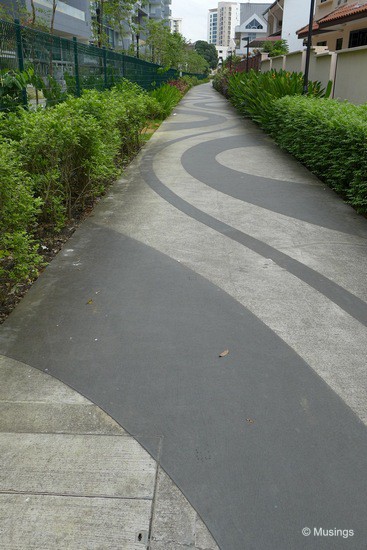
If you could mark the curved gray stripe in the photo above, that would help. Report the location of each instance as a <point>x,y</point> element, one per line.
<point>210,120</point>
<point>347,301</point>
<point>297,200</point>
<point>259,444</point>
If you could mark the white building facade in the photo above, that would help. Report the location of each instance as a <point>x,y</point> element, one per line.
<point>176,25</point>
<point>252,26</point>
<point>228,19</point>
<point>286,17</point>
<point>213,26</point>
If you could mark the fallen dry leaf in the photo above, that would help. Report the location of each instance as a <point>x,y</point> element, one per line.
<point>224,353</point>
<point>90,302</point>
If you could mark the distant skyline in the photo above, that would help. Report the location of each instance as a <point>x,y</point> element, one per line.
<point>194,14</point>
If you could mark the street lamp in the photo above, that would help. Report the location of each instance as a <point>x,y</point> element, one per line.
<point>308,51</point>
<point>248,51</point>
<point>137,45</point>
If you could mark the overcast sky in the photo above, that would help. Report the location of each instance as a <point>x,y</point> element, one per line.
<point>194,14</point>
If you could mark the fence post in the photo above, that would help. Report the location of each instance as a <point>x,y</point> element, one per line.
<point>76,67</point>
<point>18,34</point>
<point>105,67</point>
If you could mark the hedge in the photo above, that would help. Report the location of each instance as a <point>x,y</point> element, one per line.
<point>54,162</point>
<point>327,136</point>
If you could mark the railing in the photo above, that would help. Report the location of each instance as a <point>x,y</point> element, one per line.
<point>75,66</point>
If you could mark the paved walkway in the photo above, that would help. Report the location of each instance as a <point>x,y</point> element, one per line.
<point>213,240</point>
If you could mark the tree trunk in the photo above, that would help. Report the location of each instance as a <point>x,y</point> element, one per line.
<point>54,6</point>
<point>52,24</point>
<point>33,13</point>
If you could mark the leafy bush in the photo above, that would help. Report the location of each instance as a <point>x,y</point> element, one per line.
<point>253,93</point>
<point>279,47</point>
<point>55,161</point>
<point>220,80</point>
<point>74,149</point>
<point>330,138</point>
<point>327,136</point>
<point>18,208</point>
<point>190,80</point>
<point>180,85</point>
<point>11,85</point>
<point>168,97</point>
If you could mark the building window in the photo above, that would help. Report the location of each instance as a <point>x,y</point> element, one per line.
<point>339,44</point>
<point>358,38</point>
<point>324,43</point>
<point>254,25</point>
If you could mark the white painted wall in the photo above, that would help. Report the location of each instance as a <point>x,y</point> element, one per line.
<point>296,15</point>
<point>346,68</point>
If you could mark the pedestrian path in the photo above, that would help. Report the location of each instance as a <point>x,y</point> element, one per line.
<point>215,241</point>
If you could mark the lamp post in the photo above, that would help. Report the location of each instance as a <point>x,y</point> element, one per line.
<point>308,51</point>
<point>230,59</point>
<point>248,51</point>
<point>137,45</point>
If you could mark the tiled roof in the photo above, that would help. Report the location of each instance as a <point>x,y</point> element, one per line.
<point>303,32</point>
<point>350,11</point>
<point>260,41</point>
<point>345,11</point>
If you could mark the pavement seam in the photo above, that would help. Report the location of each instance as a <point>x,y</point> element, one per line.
<point>71,495</point>
<point>155,495</point>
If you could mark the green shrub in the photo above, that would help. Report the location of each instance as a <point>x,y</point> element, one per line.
<point>252,93</point>
<point>54,161</point>
<point>329,137</point>
<point>220,81</point>
<point>190,80</point>
<point>66,154</point>
<point>11,85</point>
<point>18,211</point>
<point>72,150</point>
<point>168,97</point>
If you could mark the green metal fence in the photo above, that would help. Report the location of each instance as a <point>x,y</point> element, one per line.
<point>75,66</point>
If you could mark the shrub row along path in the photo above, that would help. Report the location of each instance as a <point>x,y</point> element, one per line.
<point>215,240</point>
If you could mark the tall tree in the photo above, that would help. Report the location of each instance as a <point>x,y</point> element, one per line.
<point>208,52</point>
<point>166,49</point>
<point>195,63</point>
<point>117,14</point>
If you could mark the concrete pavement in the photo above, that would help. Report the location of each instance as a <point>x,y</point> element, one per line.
<point>213,240</point>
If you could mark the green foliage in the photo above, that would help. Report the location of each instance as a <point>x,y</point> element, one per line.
<point>330,138</point>
<point>168,96</point>
<point>116,14</point>
<point>191,80</point>
<point>327,136</point>
<point>195,63</point>
<point>166,48</point>
<point>55,161</point>
<point>208,52</point>
<point>253,93</point>
<point>279,47</point>
<point>11,85</point>
<point>220,81</point>
<point>171,49</point>
<point>232,62</point>
<point>18,209</point>
<point>49,87</point>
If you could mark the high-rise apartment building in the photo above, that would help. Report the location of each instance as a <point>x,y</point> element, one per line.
<point>160,9</point>
<point>213,26</point>
<point>176,25</point>
<point>228,19</point>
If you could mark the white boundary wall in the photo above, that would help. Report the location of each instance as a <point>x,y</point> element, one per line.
<point>347,69</point>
